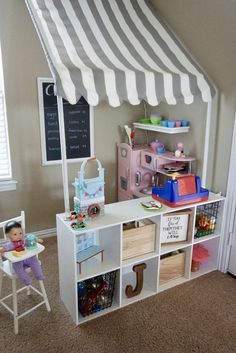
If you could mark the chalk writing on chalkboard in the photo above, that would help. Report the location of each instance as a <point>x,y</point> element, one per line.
<point>78,123</point>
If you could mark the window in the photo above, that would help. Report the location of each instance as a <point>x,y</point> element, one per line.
<point>6,182</point>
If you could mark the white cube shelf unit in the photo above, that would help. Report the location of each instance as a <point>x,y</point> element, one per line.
<point>108,231</point>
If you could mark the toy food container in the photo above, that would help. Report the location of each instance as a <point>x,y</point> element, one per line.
<point>31,241</point>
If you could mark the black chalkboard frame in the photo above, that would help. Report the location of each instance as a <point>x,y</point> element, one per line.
<point>55,159</point>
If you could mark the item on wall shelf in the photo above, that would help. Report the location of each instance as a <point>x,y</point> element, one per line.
<point>184,123</point>
<point>176,226</point>
<point>89,193</point>
<point>200,254</point>
<point>129,291</point>
<point>155,119</point>
<point>181,191</point>
<point>177,123</point>
<point>144,120</point>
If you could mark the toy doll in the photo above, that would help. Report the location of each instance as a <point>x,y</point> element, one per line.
<point>180,150</point>
<point>15,234</point>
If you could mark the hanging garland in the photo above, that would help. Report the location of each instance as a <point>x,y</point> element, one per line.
<point>83,189</point>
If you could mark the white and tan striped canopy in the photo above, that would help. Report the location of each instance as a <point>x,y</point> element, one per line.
<point>115,50</point>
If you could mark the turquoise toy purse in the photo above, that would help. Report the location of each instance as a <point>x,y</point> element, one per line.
<point>89,193</point>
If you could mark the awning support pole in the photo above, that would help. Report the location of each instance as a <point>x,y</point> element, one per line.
<point>206,144</point>
<point>229,218</point>
<point>63,155</point>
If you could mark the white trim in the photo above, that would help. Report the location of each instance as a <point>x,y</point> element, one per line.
<point>230,208</point>
<point>63,155</point>
<point>8,185</point>
<point>6,156</point>
<point>46,233</point>
<point>206,145</point>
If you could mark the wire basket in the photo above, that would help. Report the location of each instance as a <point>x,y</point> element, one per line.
<point>206,219</point>
<point>96,293</point>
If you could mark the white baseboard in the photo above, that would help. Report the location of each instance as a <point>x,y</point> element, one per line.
<point>46,233</point>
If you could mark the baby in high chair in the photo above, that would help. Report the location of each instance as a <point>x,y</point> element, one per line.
<point>16,236</point>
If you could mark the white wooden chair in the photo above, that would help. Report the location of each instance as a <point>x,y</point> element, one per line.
<point>6,260</point>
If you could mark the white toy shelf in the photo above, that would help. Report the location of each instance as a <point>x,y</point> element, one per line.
<point>160,273</point>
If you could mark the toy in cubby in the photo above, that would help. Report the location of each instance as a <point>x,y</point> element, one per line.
<point>89,193</point>
<point>200,254</point>
<point>206,219</point>
<point>85,241</point>
<point>86,248</point>
<point>96,293</point>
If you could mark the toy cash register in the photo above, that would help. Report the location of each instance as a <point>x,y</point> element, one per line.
<point>181,191</point>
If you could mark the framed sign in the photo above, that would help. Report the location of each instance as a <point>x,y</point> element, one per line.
<point>78,122</point>
<point>176,226</point>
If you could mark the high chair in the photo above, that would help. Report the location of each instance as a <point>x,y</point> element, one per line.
<point>6,269</point>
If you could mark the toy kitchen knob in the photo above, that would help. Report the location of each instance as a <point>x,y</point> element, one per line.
<point>31,241</point>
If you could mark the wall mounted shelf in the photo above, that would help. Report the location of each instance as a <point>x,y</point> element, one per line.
<point>159,128</point>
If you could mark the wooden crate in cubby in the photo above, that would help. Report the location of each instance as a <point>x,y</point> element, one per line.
<point>138,238</point>
<point>172,267</point>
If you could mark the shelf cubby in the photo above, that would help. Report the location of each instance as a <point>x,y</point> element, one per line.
<point>174,268</point>
<point>109,240</point>
<point>208,220</point>
<point>170,246</point>
<point>115,302</point>
<point>149,281</point>
<point>210,264</point>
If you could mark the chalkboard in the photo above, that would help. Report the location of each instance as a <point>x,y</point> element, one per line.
<point>78,123</point>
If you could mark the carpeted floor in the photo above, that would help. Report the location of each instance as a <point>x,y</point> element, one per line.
<point>196,317</point>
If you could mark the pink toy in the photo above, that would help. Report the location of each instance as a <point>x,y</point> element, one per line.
<point>180,150</point>
<point>200,253</point>
<point>132,177</point>
<point>155,144</point>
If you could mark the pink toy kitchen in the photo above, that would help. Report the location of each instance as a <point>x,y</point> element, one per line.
<point>144,166</point>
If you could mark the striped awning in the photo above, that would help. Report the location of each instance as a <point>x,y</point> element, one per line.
<point>115,50</point>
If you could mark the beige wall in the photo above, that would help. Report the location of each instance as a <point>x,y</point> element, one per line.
<point>207,27</point>
<point>39,189</point>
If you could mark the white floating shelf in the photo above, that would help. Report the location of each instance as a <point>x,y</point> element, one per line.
<point>158,128</point>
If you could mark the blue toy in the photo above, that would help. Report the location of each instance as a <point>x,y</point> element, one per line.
<point>181,191</point>
<point>31,241</point>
